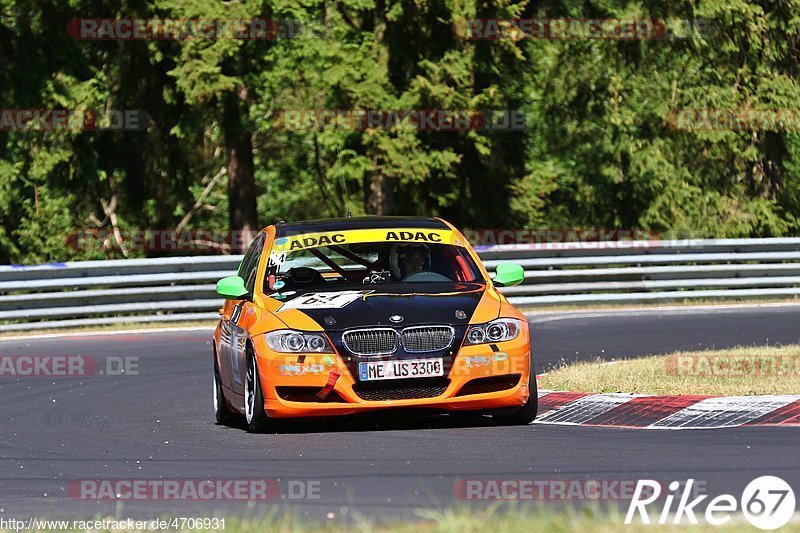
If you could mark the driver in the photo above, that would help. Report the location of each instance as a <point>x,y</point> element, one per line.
<point>409,259</point>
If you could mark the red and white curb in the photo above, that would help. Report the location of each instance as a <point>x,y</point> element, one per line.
<point>666,412</point>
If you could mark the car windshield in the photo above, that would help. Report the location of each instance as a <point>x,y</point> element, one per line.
<point>355,265</point>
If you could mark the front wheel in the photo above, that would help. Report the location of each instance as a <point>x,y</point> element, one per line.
<point>527,412</point>
<point>256,418</point>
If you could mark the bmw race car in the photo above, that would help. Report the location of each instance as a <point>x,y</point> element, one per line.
<point>340,316</point>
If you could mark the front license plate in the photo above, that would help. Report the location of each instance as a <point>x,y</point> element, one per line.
<point>407,368</point>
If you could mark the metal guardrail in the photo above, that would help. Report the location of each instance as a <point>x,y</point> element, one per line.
<point>182,288</point>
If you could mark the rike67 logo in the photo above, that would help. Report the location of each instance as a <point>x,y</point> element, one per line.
<point>767,502</point>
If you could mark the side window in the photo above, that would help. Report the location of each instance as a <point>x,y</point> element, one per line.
<point>249,266</point>
<point>247,259</point>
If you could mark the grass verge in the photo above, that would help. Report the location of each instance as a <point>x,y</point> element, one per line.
<point>741,371</point>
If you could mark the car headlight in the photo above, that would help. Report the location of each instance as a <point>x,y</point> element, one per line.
<point>502,329</point>
<point>290,341</point>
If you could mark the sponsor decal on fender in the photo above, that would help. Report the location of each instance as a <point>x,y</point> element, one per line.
<point>304,364</point>
<point>485,360</point>
<point>299,369</point>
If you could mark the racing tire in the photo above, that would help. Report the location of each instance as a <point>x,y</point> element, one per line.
<point>223,416</point>
<point>527,412</point>
<point>255,417</point>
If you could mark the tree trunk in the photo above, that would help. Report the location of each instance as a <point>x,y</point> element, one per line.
<point>378,197</point>
<point>241,180</point>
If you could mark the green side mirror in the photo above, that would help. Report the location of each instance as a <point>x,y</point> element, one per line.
<point>508,275</point>
<point>231,288</point>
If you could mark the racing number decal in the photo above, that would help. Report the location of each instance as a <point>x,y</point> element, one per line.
<point>277,258</point>
<point>324,300</point>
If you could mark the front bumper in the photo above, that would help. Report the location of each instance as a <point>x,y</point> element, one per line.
<point>486,376</point>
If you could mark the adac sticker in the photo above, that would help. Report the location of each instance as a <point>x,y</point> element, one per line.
<point>414,236</point>
<point>331,238</point>
<point>308,240</point>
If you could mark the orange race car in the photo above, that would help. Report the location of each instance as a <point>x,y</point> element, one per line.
<point>339,316</point>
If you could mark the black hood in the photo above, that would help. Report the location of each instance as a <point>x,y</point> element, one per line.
<point>418,303</point>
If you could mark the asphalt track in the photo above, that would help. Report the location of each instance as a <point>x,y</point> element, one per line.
<point>157,424</point>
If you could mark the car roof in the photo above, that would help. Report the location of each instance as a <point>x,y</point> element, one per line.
<point>366,222</point>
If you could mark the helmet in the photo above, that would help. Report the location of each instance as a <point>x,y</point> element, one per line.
<point>397,251</point>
